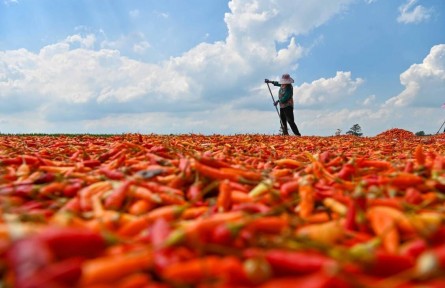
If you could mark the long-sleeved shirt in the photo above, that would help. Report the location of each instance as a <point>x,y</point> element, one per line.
<point>285,95</point>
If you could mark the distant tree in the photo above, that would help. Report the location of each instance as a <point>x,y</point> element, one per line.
<point>338,132</point>
<point>355,130</point>
<point>420,133</point>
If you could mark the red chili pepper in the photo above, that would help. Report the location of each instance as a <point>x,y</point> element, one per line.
<point>314,280</point>
<point>346,172</point>
<point>289,187</point>
<point>221,235</point>
<point>156,187</point>
<point>351,216</point>
<point>438,237</point>
<point>66,242</point>
<point>159,233</point>
<point>239,186</point>
<point>107,155</point>
<point>163,256</point>
<point>414,248</point>
<point>24,190</point>
<point>378,164</point>
<point>74,156</point>
<point>31,160</point>
<point>250,207</point>
<point>194,192</point>
<point>27,256</point>
<point>409,167</point>
<point>285,262</point>
<point>184,167</point>
<point>355,217</point>
<point>71,189</point>
<point>413,196</point>
<point>45,177</point>
<point>112,174</point>
<point>11,161</point>
<point>115,200</point>
<point>91,163</point>
<point>73,205</point>
<point>324,156</point>
<point>386,264</point>
<point>65,273</point>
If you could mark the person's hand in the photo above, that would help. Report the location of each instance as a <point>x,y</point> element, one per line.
<point>266,81</point>
<point>276,102</point>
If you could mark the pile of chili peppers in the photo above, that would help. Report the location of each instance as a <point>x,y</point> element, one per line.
<point>137,210</point>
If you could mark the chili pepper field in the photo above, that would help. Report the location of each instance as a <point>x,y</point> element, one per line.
<point>136,210</point>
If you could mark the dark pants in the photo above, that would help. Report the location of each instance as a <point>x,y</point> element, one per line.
<point>287,116</point>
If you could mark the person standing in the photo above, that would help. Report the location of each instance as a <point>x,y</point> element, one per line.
<point>286,101</point>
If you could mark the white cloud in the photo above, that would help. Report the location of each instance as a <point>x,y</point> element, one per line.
<point>262,19</point>
<point>369,100</point>
<point>162,14</point>
<point>420,100</point>
<point>86,42</point>
<point>424,83</point>
<point>412,13</point>
<point>141,47</point>
<point>326,92</point>
<point>86,85</point>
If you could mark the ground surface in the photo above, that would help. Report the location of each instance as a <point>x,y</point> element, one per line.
<point>222,211</point>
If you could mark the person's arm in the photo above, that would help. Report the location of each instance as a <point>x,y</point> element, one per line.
<point>288,93</point>
<point>275,83</point>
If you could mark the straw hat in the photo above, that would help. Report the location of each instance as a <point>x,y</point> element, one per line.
<point>286,79</point>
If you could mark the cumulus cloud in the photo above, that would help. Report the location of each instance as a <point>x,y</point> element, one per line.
<point>412,13</point>
<point>424,83</point>
<point>86,82</point>
<point>326,92</point>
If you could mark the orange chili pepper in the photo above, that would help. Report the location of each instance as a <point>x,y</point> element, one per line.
<point>214,173</point>
<point>268,224</point>
<point>306,192</point>
<point>134,227</point>
<point>140,207</point>
<point>288,163</point>
<point>110,269</point>
<point>198,270</point>
<point>419,155</point>
<point>328,232</point>
<point>86,193</point>
<point>224,200</point>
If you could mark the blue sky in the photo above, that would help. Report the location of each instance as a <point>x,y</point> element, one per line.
<point>197,66</point>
